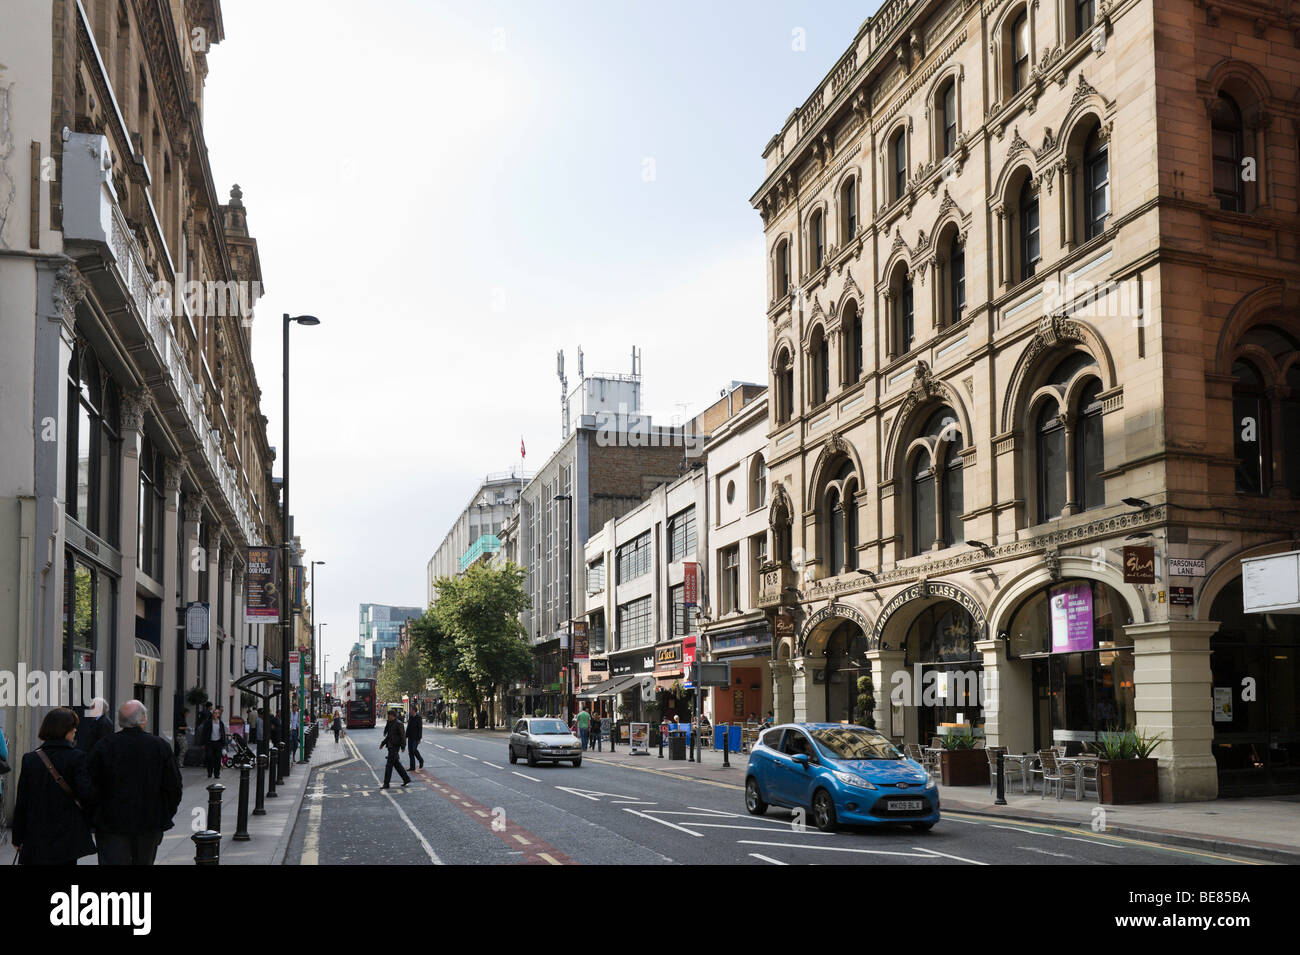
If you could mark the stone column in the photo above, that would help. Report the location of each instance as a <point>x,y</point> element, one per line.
<point>1008,698</point>
<point>132,425</point>
<point>1174,697</point>
<point>783,691</point>
<point>171,697</point>
<point>807,699</point>
<point>228,641</point>
<point>190,592</point>
<point>884,664</point>
<point>213,654</point>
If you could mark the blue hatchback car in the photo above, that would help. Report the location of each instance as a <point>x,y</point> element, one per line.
<point>842,773</point>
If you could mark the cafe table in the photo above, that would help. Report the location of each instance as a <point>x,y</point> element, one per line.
<point>1078,762</point>
<point>1025,761</point>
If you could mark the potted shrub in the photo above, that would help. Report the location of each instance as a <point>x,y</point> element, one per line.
<point>960,763</point>
<point>1126,770</point>
<point>866,702</point>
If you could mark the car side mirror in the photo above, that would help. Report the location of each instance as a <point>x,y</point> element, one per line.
<point>803,760</point>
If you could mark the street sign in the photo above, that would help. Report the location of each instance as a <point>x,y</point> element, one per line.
<point>1180,596</point>
<point>1186,567</point>
<point>250,658</point>
<point>294,669</point>
<point>196,626</point>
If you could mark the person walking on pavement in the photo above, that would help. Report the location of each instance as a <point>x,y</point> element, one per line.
<point>138,787</point>
<point>394,740</point>
<point>95,726</point>
<point>584,727</point>
<point>50,825</point>
<point>212,736</point>
<point>293,729</point>
<point>414,733</point>
<point>337,725</point>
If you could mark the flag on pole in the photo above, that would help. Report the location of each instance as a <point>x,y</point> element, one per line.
<point>521,447</point>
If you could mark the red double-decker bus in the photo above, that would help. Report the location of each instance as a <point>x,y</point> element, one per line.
<point>359,698</point>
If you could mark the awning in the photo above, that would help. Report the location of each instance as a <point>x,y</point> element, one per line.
<point>609,687</point>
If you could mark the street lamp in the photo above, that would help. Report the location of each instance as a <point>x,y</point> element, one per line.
<point>568,596</point>
<point>286,608</point>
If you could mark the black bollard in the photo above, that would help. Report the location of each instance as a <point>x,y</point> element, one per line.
<point>214,806</point>
<point>726,747</point>
<point>661,745</point>
<point>273,760</point>
<point>207,847</point>
<point>1002,783</point>
<point>260,808</point>
<point>241,819</point>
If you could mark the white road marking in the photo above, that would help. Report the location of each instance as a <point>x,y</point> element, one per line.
<point>493,765</point>
<point>456,751</point>
<point>439,745</point>
<point>797,845</point>
<point>595,794</point>
<point>947,856</point>
<point>1032,832</point>
<point>533,778</point>
<point>433,856</point>
<point>543,855</point>
<point>665,822</point>
<point>1059,855</point>
<point>773,828</point>
<point>758,855</point>
<point>468,756</point>
<point>311,844</point>
<point>716,812</point>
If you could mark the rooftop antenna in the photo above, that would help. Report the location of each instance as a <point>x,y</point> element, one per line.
<point>581,375</point>
<point>564,394</point>
<point>636,362</point>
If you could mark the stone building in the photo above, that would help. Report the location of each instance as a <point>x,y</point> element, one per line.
<point>1033,339</point>
<point>136,469</point>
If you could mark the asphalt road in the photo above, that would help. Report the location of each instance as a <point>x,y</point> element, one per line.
<point>470,806</point>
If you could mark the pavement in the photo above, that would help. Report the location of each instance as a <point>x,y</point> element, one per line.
<point>1265,828</point>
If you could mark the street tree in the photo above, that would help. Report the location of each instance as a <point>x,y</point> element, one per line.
<point>404,674</point>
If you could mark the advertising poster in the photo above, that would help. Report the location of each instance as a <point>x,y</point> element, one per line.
<point>262,586</point>
<point>1223,704</point>
<point>581,648</point>
<point>691,583</point>
<point>639,739</point>
<point>1071,618</point>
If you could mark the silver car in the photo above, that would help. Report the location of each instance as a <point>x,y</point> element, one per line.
<point>538,739</point>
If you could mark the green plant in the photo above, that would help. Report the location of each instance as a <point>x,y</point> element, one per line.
<point>1127,744</point>
<point>196,696</point>
<point>957,741</point>
<point>866,702</point>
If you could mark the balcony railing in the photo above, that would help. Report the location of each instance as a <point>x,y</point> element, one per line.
<point>486,544</point>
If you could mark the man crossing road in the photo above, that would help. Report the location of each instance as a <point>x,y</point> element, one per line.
<point>394,741</point>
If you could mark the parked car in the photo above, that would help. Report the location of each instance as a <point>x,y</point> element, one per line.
<point>842,774</point>
<point>538,739</point>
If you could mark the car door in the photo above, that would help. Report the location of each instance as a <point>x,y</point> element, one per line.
<point>517,737</point>
<point>765,764</point>
<point>799,782</point>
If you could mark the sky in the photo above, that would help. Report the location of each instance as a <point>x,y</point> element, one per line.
<point>458,190</point>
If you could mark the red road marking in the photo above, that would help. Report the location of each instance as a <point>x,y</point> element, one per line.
<point>536,851</point>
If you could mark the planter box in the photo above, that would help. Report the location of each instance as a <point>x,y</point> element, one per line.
<point>964,767</point>
<point>1124,781</point>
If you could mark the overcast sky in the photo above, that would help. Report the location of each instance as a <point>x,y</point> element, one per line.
<point>459,189</point>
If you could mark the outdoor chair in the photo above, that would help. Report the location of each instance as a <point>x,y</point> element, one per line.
<point>1054,772</point>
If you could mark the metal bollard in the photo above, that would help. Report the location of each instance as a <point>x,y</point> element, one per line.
<point>273,759</point>
<point>260,808</point>
<point>661,745</point>
<point>1002,783</point>
<point>214,806</point>
<point>241,819</point>
<point>207,847</point>
<point>726,747</point>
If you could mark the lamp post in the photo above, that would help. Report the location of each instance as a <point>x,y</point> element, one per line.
<point>286,606</point>
<point>568,595</point>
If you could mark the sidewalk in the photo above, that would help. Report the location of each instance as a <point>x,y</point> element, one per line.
<point>1265,828</point>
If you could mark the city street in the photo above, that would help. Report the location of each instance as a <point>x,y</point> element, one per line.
<point>470,805</point>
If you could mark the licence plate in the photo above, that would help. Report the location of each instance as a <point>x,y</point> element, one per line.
<point>906,805</point>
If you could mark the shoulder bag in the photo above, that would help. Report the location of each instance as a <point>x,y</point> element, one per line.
<point>62,783</point>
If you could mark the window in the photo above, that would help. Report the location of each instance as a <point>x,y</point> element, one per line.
<point>835,533</point>
<point>634,558</point>
<point>1020,52</point>
<point>923,513</point>
<point>1228,148</point>
<point>1252,425</point>
<point>1029,251</point>
<point>956,278</point>
<point>953,492</point>
<point>948,117</point>
<point>729,579</point>
<point>849,203</point>
<point>1089,487</point>
<point>1051,463</point>
<point>635,624</point>
<point>819,361</point>
<point>758,483</point>
<point>784,388</point>
<point>898,159</point>
<point>1084,15</point>
<point>758,553</point>
<point>151,513</point>
<point>683,618</point>
<point>596,576</point>
<point>1096,185</point>
<point>781,268</point>
<point>853,347</point>
<point>817,239</point>
<point>906,318</point>
<point>94,460</point>
<point>681,535</point>
<point>1291,426</point>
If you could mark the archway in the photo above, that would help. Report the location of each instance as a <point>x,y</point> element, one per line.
<point>834,655</point>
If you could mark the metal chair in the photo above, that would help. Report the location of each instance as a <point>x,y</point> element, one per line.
<point>1054,772</point>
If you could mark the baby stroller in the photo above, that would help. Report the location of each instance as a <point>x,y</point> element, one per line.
<point>237,753</point>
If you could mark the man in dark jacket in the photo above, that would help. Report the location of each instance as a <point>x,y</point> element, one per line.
<point>50,828</point>
<point>138,787</point>
<point>394,740</point>
<point>95,726</point>
<point>212,736</point>
<point>414,731</point>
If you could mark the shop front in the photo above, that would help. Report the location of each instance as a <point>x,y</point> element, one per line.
<point>941,657</point>
<point>833,657</point>
<point>748,649</point>
<point>148,677</point>
<point>640,664</point>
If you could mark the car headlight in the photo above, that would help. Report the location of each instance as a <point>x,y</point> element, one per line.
<point>929,782</point>
<point>852,779</point>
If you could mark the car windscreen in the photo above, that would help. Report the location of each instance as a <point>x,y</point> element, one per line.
<point>845,742</point>
<point>544,727</point>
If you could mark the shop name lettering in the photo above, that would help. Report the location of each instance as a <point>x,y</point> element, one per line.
<point>1139,565</point>
<point>50,688</point>
<point>937,688</point>
<point>668,654</point>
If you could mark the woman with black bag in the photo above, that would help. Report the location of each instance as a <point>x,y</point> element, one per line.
<point>51,825</point>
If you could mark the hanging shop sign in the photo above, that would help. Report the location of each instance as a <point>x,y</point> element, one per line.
<point>1139,565</point>
<point>261,586</point>
<point>1071,608</point>
<point>196,626</point>
<point>581,648</point>
<point>691,583</point>
<point>250,658</point>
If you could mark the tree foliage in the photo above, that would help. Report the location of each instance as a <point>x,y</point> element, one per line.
<point>403,675</point>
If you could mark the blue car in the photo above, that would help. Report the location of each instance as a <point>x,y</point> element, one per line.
<point>843,774</point>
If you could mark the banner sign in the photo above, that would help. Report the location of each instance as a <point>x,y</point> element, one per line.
<point>296,577</point>
<point>1139,565</point>
<point>1071,618</point>
<point>262,586</point>
<point>691,583</point>
<point>294,669</point>
<point>688,659</point>
<point>196,626</point>
<point>581,648</point>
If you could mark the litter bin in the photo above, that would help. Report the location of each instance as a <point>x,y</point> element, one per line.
<point>677,744</point>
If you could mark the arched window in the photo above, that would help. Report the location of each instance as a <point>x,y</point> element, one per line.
<point>1090,488</point>
<point>781,268</point>
<point>1051,462</point>
<point>835,533</point>
<point>853,348</point>
<point>817,239</point>
<point>757,483</point>
<point>904,312</point>
<point>953,490</point>
<point>819,367</point>
<point>923,504</point>
<point>784,387</point>
<point>948,118</point>
<point>898,163</point>
<point>1228,148</point>
<point>1096,185</point>
<point>956,278</point>
<point>1252,426</point>
<point>1027,212</point>
<point>1020,52</point>
<point>937,486</point>
<point>849,207</point>
<point>1084,15</point>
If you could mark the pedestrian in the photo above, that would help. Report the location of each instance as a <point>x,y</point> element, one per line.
<point>414,732</point>
<point>273,730</point>
<point>95,726</point>
<point>336,726</point>
<point>212,736</point>
<point>138,787</point>
<point>584,727</point>
<point>394,740</point>
<point>50,825</point>
<point>293,729</point>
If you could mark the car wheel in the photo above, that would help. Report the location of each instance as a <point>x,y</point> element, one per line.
<point>922,826</point>
<point>577,762</point>
<point>753,798</point>
<point>823,809</point>
<point>513,757</point>
<point>532,757</point>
